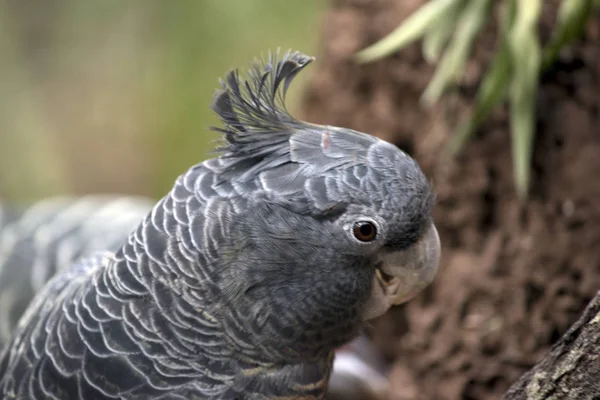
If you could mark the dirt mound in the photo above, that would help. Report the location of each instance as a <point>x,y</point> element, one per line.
<point>514,275</point>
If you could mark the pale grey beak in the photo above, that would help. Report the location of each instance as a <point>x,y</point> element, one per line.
<point>415,267</point>
<point>403,274</point>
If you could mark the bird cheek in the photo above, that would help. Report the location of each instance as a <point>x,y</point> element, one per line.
<point>379,301</point>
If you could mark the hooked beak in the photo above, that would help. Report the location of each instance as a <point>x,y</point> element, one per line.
<point>403,274</point>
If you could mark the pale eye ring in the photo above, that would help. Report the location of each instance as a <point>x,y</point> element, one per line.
<point>364,231</point>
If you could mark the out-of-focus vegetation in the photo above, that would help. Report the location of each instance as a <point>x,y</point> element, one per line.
<point>449,28</point>
<point>113,96</point>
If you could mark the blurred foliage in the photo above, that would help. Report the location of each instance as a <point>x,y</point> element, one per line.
<point>450,27</point>
<point>113,96</point>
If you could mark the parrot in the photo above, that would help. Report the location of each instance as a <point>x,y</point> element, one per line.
<point>36,239</point>
<point>243,280</point>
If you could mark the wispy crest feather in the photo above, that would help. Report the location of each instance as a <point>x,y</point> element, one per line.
<point>256,121</point>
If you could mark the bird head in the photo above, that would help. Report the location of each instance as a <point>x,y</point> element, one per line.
<point>332,226</point>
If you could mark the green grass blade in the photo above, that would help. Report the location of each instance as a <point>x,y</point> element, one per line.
<point>493,88</point>
<point>438,35</point>
<point>572,16</point>
<point>522,124</point>
<point>471,20</point>
<point>491,93</point>
<point>412,29</point>
<point>527,56</point>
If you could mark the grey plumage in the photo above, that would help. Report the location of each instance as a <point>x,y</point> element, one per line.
<point>243,279</point>
<point>39,239</point>
<point>71,227</point>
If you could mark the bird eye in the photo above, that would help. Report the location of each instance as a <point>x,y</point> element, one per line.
<point>364,231</point>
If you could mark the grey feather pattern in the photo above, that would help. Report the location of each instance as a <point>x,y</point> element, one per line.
<point>39,240</point>
<point>241,281</point>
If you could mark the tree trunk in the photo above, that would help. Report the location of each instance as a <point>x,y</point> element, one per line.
<point>571,369</point>
<point>514,275</point>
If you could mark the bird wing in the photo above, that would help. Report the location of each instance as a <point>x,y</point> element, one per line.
<point>40,239</point>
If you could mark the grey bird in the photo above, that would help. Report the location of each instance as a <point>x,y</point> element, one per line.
<point>242,281</point>
<point>38,239</point>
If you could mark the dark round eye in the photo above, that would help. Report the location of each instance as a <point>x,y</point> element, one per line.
<point>364,231</point>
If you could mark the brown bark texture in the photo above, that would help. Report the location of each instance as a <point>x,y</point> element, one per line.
<point>514,275</point>
<point>571,369</point>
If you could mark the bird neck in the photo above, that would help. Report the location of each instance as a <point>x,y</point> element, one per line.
<point>185,336</point>
<point>306,380</point>
<point>168,303</point>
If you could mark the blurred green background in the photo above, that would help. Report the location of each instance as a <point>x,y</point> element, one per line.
<point>113,96</point>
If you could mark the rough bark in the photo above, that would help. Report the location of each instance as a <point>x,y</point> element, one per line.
<point>571,369</point>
